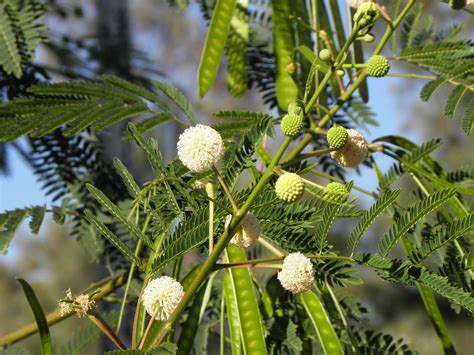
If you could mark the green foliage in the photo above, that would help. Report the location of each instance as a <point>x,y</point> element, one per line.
<point>45,337</point>
<point>412,216</point>
<point>382,203</point>
<point>21,32</point>
<point>82,104</point>
<point>10,221</point>
<point>444,235</point>
<point>446,56</point>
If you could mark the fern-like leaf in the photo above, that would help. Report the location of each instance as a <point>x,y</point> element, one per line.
<point>408,219</point>
<point>382,203</point>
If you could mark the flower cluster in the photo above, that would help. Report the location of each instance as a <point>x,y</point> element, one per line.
<point>248,232</point>
<point>161,296</point>
<point>80,304</point>
<point>354,151</point>
<point>200,147</point>
<point>296,274</point>
<point>378,66</point>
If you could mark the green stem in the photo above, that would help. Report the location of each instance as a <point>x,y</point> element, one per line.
<point>424,77</point>
<point>226,188</point>
<point>208,266</point>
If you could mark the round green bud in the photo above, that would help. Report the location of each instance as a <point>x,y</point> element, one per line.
<point>336,192</point>
<point>296,107</point>
<point>378,66</point>
<point>291,124</point>
<point>457,4</point>
<point>289,187</point>
<point>337,137</point>
<point>366,15</point>
<point>340,72</point>
<point>325,54</point>
<point>369,38</point>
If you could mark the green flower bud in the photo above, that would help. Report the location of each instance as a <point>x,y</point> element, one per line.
<point>337,137</point>
<point>378,66</point>
<point>325,54</point>
<point>366,16</point>
<point>291,124</point>
<point>296,107</point>
<point>369,38</point>
<point>336,192</point>
<point>340,72</point>
<point>291,68</point>
<point>289,187</point>
<point>457,4</point>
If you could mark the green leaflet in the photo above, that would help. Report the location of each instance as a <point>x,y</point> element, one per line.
<point>411,217</point>
<point>112,238</point>
<point>114,210</point>
<point>326,333</point>
<point>369,217</point>
<point>127,178</point>
<point>10,221</point>
<point>467,123</point>
<point>46,347</point>
<point>148,124</point>
<point>446,234</point>
<point>248,312</point>
<point>283,43</point>
<point>214,44</point>
<point>178,98</point>
<point>454,99</point>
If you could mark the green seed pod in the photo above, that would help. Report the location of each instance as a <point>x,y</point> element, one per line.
<point>378,66</point>
<point>291,124</point>
<point>325,54</point>
<point>336,192</point>
<point>289,187</point>
<point>296,107</point>
<point>457,4</point>
<point>337,137</point>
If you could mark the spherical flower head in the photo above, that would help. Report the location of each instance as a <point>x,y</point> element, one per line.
<point>289,187</point>
<point>337,137</point>
<point>354,151</point>
<point>248,231</point>
<point>291,124</point>
<point>200,147</point>
<point>161,296</point>
<point>336,192</point>
<point>378,66</point>
<point>297,274</point>
<point>457,4</point>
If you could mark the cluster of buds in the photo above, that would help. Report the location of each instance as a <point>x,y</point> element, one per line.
<point>81,304</point>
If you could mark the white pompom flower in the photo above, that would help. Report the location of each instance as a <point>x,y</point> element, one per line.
<point>354,151</point>
<point>356,3</point>
<point>200,147</point>
<point>248,232</point>
<point>297,273</point>
<point>161,296</point>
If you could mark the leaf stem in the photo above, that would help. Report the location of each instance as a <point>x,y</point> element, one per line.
<point>106,329</point>
<point>226,188</point>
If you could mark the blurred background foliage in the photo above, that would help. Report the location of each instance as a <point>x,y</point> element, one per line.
<point>146,39</point>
